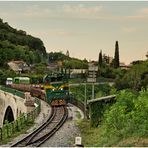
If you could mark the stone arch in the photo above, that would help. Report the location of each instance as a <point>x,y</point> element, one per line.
<point>8,115</point>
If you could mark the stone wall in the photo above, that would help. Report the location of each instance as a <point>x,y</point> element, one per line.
<point>17,104</point>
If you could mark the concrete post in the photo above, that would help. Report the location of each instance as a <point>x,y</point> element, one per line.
<point>29,102</point>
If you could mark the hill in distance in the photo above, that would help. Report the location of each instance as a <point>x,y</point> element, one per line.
<point>17,45</point>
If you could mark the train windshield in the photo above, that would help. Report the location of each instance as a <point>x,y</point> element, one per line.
<point>56,79</point>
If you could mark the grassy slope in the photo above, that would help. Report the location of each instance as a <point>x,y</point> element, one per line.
<point>91,137</point>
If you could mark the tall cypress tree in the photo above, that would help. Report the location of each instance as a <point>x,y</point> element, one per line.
<point>100,59</point>
<point>116,57</point>
<point>67,53</point>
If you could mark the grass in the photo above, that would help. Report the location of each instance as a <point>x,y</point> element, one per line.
<point>93,137</point>
<point>133,142</point>
<point>78,115</point>
<point>17,133</point>
<point>89,135</point>
<point>76,80</point>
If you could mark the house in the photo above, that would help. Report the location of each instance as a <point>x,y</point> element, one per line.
<point>18,66</point>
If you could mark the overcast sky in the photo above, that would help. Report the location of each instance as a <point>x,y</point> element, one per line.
<point>83,27</point>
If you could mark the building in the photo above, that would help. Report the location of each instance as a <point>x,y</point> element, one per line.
<point>18,66</point>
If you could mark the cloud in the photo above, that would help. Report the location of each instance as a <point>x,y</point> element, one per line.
<point>144,10</point>
<point>82,9</point>
<point>4,14</point>
<point>129,29</point>
<point>141,15</point>
<point>137,17</point>
<point>35,11</point>
<point>67,11</point>
<point>56,32</point>
<point>74,11</point>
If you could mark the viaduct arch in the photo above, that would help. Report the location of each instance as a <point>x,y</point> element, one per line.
<point>11,106</point>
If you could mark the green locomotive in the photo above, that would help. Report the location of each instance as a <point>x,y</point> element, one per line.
<point>57,88</point>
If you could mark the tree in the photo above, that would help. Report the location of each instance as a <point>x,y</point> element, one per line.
<point>100,59</point>
<point>146,55</point>
<point>67,53</point>
<point>135,78</point>
<point>116,57</point>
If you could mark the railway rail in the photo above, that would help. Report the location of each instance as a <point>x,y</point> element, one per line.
<point>45,131</point>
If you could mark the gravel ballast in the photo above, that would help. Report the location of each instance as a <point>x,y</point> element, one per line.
<point>65,136</point>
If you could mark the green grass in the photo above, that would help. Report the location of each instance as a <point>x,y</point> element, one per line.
<point>90,136</point>
<point>17,133</point>
<point>95,137</point>
<point>76,80</point>
<point>78,115</point>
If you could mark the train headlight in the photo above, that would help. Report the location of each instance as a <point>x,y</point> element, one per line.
<point>61,89</point>
<point>53,89</point>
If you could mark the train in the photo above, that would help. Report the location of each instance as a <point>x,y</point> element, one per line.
<point>54,90</point>
<point>23,84</point>
<point>18,80</point>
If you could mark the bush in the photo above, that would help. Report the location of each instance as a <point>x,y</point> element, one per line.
<point>127,117</point>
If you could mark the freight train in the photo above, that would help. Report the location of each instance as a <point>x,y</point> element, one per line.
<point>23,84</point>
<point>55,89</point>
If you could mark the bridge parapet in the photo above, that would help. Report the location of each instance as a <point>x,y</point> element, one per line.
<point>12,91</point>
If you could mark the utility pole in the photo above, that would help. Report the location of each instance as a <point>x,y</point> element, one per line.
<point>85,103</point>
<point>93,90</point>
<point>92,74</point>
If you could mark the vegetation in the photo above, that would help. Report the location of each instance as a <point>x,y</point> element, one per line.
<point>116,62</point>
<point>125,119</point>
<point>17,45</point>
<point>19,126</point>
<point>4,74</point>
<point>100,59</point>
<point>67,61</point>
<point>124,122</point>
<point>100,90</point>
<point>135,78</point>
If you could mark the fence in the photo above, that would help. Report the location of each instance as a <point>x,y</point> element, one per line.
<point>10,129</point>
<point>78,103</point>
<point>13,91</point>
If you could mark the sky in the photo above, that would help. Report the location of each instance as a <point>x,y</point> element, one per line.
<point>83,27</point>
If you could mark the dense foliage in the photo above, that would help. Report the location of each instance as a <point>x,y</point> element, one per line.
<point>135,78</point>
<point>100,59</point>
<point>99,91</point>
<point>124,120</point>
<point>67,62</point>
<point>17,45</point>
<point>116,62</point>
<point>5,74</point>
<point>127,117</point>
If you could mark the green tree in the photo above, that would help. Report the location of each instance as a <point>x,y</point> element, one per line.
<point>116,57</point>
<point>135,78</point>
<point>100,59</point>
<point>67,53</point>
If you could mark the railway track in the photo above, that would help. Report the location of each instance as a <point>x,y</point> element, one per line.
<point>45,131</point>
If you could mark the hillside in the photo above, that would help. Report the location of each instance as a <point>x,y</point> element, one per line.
<point>67,61</point>
<point>17,45</point>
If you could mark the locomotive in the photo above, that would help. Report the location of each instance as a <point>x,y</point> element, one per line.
<point>56,88</point>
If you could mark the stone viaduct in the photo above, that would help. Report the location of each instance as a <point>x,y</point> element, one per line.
<point>11,106</point>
